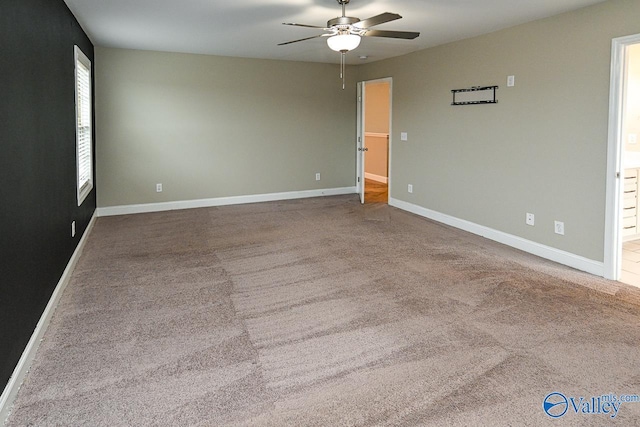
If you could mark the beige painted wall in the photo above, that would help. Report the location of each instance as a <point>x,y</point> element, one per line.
<point>376,162</point>
<point>541,149</point>
<point>376,110</point>
<point>632,102</point>
<point>376,113</point>
<point>208,127</point>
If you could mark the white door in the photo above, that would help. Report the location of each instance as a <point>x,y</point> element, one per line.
<point>360,148</point>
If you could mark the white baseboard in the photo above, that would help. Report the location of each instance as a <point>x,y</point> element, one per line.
<point>562,257</point>
<point>220,201</point>
<point>24,364</point>
<point>374,177</point>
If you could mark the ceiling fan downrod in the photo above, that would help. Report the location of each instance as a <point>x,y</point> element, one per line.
<point>343,3</point>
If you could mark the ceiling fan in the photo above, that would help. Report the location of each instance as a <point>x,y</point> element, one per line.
<point>344,32</point>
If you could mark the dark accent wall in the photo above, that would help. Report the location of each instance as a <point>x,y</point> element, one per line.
<point>37,164</point>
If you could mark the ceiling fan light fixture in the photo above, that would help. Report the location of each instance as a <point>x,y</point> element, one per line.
<point>343,42</point>
<point>345,33</point>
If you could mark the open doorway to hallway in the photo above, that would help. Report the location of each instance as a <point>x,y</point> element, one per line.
<point>630,227</point>
<point>377,115</point>
<point>622,212</point>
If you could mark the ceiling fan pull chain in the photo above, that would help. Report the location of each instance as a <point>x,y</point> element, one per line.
<point>342,68</point>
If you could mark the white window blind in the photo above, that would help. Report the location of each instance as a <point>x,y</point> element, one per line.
<point>83,125</point>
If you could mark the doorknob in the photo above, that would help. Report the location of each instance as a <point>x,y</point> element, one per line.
<point>365,149</point>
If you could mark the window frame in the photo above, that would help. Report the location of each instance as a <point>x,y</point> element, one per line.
<point>84,130</point>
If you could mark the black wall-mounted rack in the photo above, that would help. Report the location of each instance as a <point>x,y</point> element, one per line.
<point>488,97</point>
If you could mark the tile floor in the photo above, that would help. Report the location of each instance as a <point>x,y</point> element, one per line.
<point>631,263</point>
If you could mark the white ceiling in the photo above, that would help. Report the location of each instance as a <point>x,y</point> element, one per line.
<point>253,28</point>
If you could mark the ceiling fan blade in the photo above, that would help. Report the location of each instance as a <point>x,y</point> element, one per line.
<point>306,38</point>
<point>377,20</point>
<point>409,35</point>
<point>302,25</point>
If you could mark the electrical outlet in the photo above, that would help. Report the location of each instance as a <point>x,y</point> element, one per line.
<point>531,219</point>
<point>559,227</point>
<point>73,229</point>
<point>410,188</point>
<point>318,176</point>
<point>158,188</point>
<point>511,81</point>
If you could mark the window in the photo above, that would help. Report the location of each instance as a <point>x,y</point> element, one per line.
<point>84,128</point>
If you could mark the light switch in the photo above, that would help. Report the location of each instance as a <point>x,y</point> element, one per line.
<point>633,138</point>
<point>511,81</point>
<point>403,136</point>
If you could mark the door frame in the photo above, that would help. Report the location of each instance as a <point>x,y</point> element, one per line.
<point>613,211</point>
<point>360,129</point>
<point>360,139</point>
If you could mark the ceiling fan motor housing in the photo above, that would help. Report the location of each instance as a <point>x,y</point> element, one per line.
<point>342,21</point>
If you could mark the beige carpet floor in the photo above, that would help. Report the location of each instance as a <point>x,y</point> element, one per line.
<point>324,312</point>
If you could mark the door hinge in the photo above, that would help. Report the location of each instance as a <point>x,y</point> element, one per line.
<point>358,179</point>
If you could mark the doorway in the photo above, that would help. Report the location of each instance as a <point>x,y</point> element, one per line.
<point>630,264</point>
<point>374,140</point>
<point>622,232</point>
